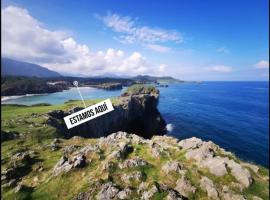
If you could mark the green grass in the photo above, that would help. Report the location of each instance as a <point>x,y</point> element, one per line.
<point>257,189</point>
<point>141,89</point>
<point>38,138</point>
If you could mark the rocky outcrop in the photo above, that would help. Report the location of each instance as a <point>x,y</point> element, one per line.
<point>124,166</point>
<point>134,112</point>
<point>184,187</point>
<point>208,186</point>
<point>9,135</point>
<point>206,156</point>
<point>65,164</point>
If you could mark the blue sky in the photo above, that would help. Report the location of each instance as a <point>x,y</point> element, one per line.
<point>187,39</point>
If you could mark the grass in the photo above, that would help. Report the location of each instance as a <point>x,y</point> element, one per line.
<point>41,185</point>
<point>141,89</point>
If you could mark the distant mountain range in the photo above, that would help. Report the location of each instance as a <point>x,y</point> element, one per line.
<point>19,68</point>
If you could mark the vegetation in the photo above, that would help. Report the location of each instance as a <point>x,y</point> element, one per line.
<point>33,156</point>
<point>141,89</point>
<point>11,85</point>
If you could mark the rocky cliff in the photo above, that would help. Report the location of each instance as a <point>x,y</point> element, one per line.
<point>135,111</point>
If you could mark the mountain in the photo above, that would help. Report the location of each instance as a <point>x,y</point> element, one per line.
<point>19,68</point>
<point>162,79</point>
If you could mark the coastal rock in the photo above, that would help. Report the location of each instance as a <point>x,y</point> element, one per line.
<point>208,186</point>
<point>146,195</point>
<point>124,194</point>
<point>132,163</point>
<point>241,174</point>
<point>191,143</point>
<point>157,150</point>
<point>108,191</point>
<point>216,165</point>
<point>133,112</point>
<point>184,187</point>
<point>58,114</point>
<point>65,164</point>
<point>204,155</point>
<point>134,176</point>
<point>173,166</point>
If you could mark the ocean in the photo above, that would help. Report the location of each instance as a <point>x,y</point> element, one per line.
<point>234,115</point>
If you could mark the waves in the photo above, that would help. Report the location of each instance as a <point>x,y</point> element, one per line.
<point>169,127</point>
<point>7,98</point>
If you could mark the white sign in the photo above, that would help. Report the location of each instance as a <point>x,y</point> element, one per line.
<point>88,113</point>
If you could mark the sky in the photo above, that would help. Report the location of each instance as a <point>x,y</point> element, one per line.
<point>210,40</point>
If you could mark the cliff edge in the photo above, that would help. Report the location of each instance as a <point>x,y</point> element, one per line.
<point>135,111</point>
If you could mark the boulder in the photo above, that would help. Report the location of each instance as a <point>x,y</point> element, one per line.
<point>133,162</point>
<point>124,194</point>
<point>191,143</point>
<point>146,195</point>
<point>65,164</point>
<point>216,165</point>
<point>208,186</point>
<point>173,166</point>
<point>79,161</point>
<point>184,187</point>
<point>108,191</point>
<point>241,174</point>
<point>134,176</point>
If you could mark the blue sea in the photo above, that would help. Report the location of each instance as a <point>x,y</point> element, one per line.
<point>234,115</point>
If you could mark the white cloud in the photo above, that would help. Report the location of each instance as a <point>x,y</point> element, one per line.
<point>24,38</point>
<point>162,68</point>
<point>220,68</point>
<point>262,64</point>
<point>131,33</point>
<point>158,48</point>
<point>223,49</point>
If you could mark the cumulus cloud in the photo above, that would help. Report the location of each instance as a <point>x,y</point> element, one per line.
<point>223,49</point>
<point>262,64</point>
<point>24,38</point>
<point>220,68</point>
<point>130,32</point>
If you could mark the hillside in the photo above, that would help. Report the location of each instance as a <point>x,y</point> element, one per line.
<point>11,85</point>
<point>39,161</point>
<point>19,68</point>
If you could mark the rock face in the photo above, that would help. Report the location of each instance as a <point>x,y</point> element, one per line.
<point>184,187</point>
<point>208,186</point>
<point>204,153</point>
<point>65,164</point>
<point>133,112</point>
